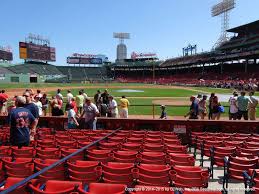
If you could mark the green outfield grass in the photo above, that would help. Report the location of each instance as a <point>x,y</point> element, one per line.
<point>136,99</point>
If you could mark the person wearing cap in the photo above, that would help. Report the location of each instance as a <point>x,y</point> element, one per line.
<point>71,115</point>
<point>253,102</point>
<point>113,110</point>
<point>193,113</point>
<point>22,124</point>
<point>163,112</point>
<point>90,112</point>
<point>203,107</point>
<point>233,109</point>
<point>105,97</point>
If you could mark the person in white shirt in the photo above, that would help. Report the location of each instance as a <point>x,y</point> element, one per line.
<point>84,94</point>
<point>113,107</point>
<point>38,103</point>
<point>253,102</point>
<point>233,109</point>
<point>90,112</point>
<point>69,96</point>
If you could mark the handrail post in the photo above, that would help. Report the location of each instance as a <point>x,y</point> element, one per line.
<point>153,106</point>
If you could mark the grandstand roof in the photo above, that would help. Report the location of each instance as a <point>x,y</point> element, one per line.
<point>250,27</point>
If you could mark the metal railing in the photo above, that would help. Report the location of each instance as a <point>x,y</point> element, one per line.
<point>26,180</point>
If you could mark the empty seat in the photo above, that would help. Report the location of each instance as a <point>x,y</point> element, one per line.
<point>114,172</point>
<point>189,177</point>
<point>124,156</point>
<point>56,187</point>
<point>48,153</point>
<point>99,155</point>
<point>131,146</point>
<point>99,188</point>
<point>182,159</point>
<point>24,152</point>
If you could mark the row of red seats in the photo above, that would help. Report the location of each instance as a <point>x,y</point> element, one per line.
<point>71,187</point>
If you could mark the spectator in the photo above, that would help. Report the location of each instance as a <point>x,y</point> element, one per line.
<point>38,103</point>
<point>212,95</point>
<point>233,109</point>
<point>69,96</point>
<point>242,104</point>
<point>193,113</point>
<point>216,112</point>
<point>199,98</point>
<point>22,124</point>
<point>45,103</point>
<point>79,102</point>
<point>56,107</point>
<point>39,94</point>
<point>84,94</point>
<point>30,105</point>
<point>113,107</point>
<point>97,99</point>
<point>73,103</point>
<point>90,112</point>
<point>12,105</point>
<point>163,112</point>
<point>59,96</point>
<point>124,105</point>
<point>3,102</point>
<point>72,122</point>
<point>203,107</point>
<point>253,102</point>
<point>105,97</point>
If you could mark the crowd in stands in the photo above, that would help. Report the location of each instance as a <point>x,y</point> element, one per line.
<point>239,107</point>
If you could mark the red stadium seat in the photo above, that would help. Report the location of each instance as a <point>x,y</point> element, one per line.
<point>5,151</point>
<point>182,159</point>
<point>189,177</point>
<point>148,147</point>
<point>152,158</point>
<point>86,176</point>
<point>152,175</point>
<point>99,188</point>
<point>10,181</point>
<point>24,152</point>
<point>56,187</point>
<point>176,148</point>
<point>118,173</point>
<point>99,155</point>
<point>48,153</point>
<point>66,152</point>
<point>131,147</point>
<point>124,156</point>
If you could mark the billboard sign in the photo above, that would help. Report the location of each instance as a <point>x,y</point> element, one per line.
<point>77,58</point>
<point>37,52</point>
<point>6,55</point>
<point>135,55</point>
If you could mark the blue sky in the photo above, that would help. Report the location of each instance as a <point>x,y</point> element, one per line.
<point>87,26</point>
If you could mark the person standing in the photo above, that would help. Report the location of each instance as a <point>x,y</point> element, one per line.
<point>45,104</point>
<point>71,115</point>
<point>80,102</point>
<point>194,109</point>
<point>113,107</point>
<point>242,104</point>
<point>163,112</point>
<point>90,113</point>
<point>84,94</point>
<point>30,105</point>
<point>59,96</point>
<point>39,94</point>
<point>97,99</point>
<point>216,111</point>
<point>3,102</point>
<point>253,102</point>
<point>69,96</point>
<point>38,103</point>
<point>105,97</point>
<point>212,95</point>
<point>124,107</point>
<point>233,109</point>
<point>22,124</point>
<point>203,107</point>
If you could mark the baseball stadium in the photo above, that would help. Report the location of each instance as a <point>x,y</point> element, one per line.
<point>133,125</point>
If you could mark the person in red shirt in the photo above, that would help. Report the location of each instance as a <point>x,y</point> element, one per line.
<point>3,103</point>
<point>73,103</point>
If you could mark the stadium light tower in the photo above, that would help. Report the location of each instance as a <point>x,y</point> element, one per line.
<point>223,9</point>
<point>121,47</point>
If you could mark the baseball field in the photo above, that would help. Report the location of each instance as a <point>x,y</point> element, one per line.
<point>145,99</point>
